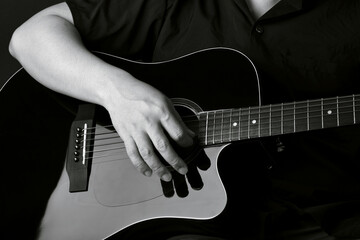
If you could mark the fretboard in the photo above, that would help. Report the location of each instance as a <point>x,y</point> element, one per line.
<point>228,125</point>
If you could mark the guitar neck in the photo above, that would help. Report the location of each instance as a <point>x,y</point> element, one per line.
<point>229,125</point>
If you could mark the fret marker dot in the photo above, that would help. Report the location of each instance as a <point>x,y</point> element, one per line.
<point>235,124</point>
<point>253,121</point>
<point>329,112</point>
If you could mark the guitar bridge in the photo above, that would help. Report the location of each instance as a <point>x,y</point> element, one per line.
<point>80,146</point>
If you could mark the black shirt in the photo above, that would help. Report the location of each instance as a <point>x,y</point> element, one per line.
<point>303,50</point>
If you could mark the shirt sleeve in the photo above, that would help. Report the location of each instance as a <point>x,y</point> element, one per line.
<point>126,28</point>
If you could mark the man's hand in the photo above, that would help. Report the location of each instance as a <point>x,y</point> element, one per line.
<point>147,122</point>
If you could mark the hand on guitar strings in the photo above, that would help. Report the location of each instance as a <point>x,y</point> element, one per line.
<point>147,122</point>
<point>179,184</point>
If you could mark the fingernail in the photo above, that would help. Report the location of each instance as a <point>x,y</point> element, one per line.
<point>166,177</point>
<point>183,170</point>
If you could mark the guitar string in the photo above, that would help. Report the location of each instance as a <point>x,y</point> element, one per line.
<point>247,127</point>
<point>262,117</point>
<point>257,109</point>
<point>247,130</point>
<point>290,104</point>
<point>239,133</point>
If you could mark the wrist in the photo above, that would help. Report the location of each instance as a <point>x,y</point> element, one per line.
<point>114,83</point>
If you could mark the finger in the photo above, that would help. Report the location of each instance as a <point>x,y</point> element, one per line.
<point>177,129</point>
<point>203,161</point>
<point>180,184</point>
<point>194,178</point>
<point>163,146</point>
<point>168,188</point>
<point>148,154</point>
<point>136,158</point>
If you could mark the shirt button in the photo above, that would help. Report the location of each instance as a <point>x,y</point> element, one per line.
<point>259,29</point>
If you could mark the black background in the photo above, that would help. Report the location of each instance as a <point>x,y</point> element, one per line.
<point>12,14</point>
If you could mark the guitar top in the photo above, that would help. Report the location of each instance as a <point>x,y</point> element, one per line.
<point>98,192</point>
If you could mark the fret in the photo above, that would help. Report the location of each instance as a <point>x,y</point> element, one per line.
<point>222,125</point>
<point>214,127</point>
<point>244,123</point>
<point>357,108</point>
<point>270,115</point>
<point>301,116</point>
<point>259,122</point>
<point>353,98</point>
<point>265,121</point>
<point>282,119</point>
<point>217,127</point>
<point>210,132</point>
<point>235,130</point>
<point>288,118</point>
<point>308,115</point>
<point>329,112</point>
<point>230,125</point>
<point>346,115</point>
<point>294,122</point>
<point>206,128</point>
<point>254,122</point>
<point>248,122</point>
<point>239,125</point>
<point>226,125</point>
<point>315,120</point>
<point>337,112</point>
<point>275,120</point>
<point>322,112</point>
<point>202,129</point>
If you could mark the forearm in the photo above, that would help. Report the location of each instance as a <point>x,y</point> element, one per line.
<point>50,49</point>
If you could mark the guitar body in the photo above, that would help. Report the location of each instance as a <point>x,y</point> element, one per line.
<point>118,197</point>
<point>33,140</point>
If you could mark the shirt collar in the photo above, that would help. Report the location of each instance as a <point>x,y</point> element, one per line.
<point>282,8</point>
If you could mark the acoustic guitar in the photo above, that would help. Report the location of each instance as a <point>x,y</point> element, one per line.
<point>99,193</point>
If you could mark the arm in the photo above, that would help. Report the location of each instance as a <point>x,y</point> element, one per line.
<point>50,48</point>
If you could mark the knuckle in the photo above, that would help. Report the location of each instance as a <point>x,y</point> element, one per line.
<point>157,168</point>
<point>132,153</point>
<point>161,145</point>
<point>149,123</point>
<point>165,115</point>
<point>175,162</point>
<point>163,110</point>
<point>179,135</point>
<point>131,149</point>
<point>140,165</point>
<point>145,152</point>
<point>136,159</point>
